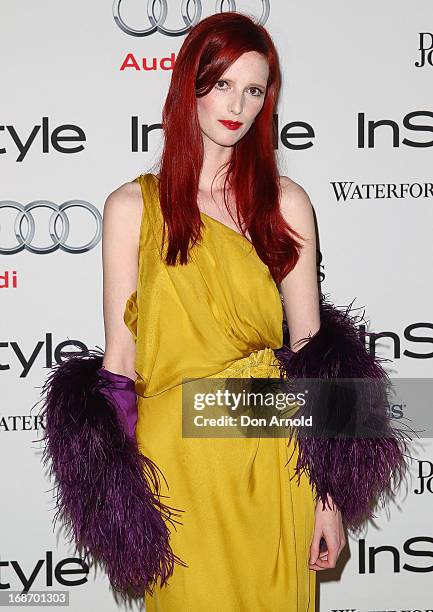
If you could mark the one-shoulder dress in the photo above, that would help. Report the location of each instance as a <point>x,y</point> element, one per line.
<point>246,526</point>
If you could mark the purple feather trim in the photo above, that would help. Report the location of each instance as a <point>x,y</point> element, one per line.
<point>356,472</point>
<point>107,493</point>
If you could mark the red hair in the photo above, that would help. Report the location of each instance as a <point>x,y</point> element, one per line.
<point>207,52</point>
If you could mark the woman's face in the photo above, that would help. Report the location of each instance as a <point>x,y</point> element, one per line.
<point>237,98</point>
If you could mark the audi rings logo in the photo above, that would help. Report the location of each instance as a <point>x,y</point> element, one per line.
<point>157,21</point>
<point>24,233</point>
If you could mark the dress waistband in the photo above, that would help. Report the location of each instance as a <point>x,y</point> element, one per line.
<point>263,358</point>
<point>260,363</point>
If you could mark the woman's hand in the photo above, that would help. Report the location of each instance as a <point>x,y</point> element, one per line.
<point>328,525</point>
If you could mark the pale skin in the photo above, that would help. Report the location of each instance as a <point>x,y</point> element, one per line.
<point>237,96</point>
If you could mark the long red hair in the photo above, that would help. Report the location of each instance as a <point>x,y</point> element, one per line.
<point>209,49</point>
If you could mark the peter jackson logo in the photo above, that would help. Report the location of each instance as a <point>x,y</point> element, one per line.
<point>425,50</point>
<point>425,477</point>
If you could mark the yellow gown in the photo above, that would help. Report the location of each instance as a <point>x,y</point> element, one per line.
<point>246,527</point>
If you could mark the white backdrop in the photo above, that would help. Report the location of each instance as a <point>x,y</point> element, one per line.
<point>343,64</point>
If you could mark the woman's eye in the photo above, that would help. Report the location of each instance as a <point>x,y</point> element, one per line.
<point>218,82</point>
<point>255,91</point>
<point>258,93</point>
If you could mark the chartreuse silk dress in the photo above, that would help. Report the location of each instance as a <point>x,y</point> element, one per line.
<point>246,526</point>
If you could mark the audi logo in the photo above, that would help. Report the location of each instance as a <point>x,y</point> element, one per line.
<point>157,21</point>
<point>58,217</point>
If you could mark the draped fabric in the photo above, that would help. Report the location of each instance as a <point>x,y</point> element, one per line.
<point>246,526</point>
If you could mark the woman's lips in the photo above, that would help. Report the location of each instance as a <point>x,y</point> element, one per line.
<point>231,125</point>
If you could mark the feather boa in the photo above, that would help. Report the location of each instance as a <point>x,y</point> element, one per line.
<point>356,471</point>
<point>107,492</point>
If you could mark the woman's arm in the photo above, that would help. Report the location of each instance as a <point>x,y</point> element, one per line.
<point>120,243</point>
<point>301,302</point>
<point>351,430</point>
<point>90,445</point>
<point>300,288</point>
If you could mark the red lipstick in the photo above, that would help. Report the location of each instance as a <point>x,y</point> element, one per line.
<point>231,125</point>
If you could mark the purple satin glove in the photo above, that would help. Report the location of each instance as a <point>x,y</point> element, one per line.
<point>121,390</point>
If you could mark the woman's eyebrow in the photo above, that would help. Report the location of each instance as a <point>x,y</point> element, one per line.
<point>251,84</point>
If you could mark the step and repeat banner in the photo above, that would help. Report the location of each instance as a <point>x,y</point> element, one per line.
<point>83,85</point>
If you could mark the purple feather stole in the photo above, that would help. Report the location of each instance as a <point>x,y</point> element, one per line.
<point>357,471</point>
<point>107,492</point>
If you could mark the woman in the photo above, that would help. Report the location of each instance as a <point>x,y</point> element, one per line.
<point>212,540</point>
<point>199,253</point>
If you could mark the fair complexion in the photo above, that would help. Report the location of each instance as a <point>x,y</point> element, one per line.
<point>329,525</point>
<point>239,95</point>
<point>301,304</point>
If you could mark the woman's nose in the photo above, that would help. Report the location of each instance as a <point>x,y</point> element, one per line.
<point>236,104</point>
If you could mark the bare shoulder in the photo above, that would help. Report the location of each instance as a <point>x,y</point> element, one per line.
<point>293,195</point>
<point>125,200</point>
<point>295,203</point>
<point>122,219</point>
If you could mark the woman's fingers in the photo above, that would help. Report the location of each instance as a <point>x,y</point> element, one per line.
<point>327,559</point>
<point>315,546</point>
<point>328,538</point>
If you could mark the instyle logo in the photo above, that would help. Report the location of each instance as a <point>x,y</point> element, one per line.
<point>390,131</point>
<point>425,477</point>
<point>190,15</point>
<point>372,339</point>
<point>410,333</point>
<point>21,223</point>
<point>46,137</point>
<point>389,559</point>
<point>425,50</point>
<point>296,135</point>
<point>44,573</point>
<point>44,351</point>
